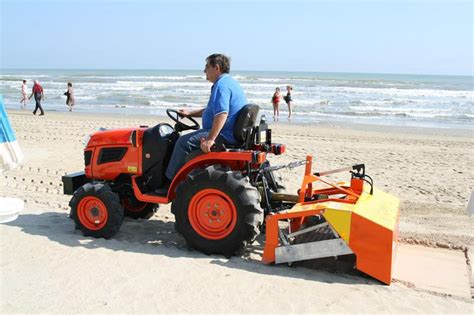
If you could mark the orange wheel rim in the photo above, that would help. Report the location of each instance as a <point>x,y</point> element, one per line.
<point>92,213</point>
<point>212,214</point>
<point>133,206</point>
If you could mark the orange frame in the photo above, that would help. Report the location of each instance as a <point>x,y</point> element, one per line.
<point>297,218</point>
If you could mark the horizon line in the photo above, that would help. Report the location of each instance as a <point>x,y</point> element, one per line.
<point>284,71</point>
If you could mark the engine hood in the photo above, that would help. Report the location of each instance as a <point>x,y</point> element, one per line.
<point>111,137</point>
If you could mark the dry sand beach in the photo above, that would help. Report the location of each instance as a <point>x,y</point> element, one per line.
<point>47,266</point>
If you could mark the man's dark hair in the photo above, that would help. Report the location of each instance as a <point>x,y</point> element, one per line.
<point>69,84</point>
<point>24,81</point>
<point>219,59</point>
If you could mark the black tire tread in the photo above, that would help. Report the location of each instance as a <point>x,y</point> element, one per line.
<point>246,198</point>
<point>111,201</point>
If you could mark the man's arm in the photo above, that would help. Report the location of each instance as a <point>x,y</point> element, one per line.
<point>196,113</point>
<point>217,125</point>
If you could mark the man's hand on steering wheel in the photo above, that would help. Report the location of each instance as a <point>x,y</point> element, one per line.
<point>179,125</point>
<point>184,113</point>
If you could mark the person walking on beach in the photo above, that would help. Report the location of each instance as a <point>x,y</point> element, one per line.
<point>218,117</point>
<point>37,91</point>
<point>70,101</point>
<point>288,99</point>
<point>276,103</point>
<point>24,95</point>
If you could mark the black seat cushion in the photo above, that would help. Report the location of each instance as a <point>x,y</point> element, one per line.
<point>246,119</point>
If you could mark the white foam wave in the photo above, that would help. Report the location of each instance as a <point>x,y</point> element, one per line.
<point>313,97</point>
<point>404,92</point>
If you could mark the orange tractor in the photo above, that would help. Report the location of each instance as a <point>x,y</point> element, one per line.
<point>223,199</point>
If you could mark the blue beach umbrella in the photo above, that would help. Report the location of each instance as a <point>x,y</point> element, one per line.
<point>10,152</point>
<point>10,156</point>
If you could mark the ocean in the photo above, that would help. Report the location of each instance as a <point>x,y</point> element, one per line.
<point>379,99</point>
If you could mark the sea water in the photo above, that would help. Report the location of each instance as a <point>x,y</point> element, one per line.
<point>382,99</point>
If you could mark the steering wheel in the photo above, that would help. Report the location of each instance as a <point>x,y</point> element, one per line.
<point>180,126</point>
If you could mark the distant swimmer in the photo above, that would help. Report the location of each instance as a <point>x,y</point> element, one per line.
<point>276,103</point>
<point>70,101</point>
<point>288,99</point>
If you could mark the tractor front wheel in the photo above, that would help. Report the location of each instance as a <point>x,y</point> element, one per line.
<point>96,210</point>
<point>217,210</point>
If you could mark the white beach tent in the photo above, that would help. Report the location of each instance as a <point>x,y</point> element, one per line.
<point>10,156</point>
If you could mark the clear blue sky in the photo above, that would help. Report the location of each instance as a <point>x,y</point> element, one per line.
<point>418,36</point>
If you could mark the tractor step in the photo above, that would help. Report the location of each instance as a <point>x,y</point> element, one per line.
<point>156,194</point>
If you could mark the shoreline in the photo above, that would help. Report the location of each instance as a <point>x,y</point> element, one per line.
<point>451,132</point>
<point>360,99</point>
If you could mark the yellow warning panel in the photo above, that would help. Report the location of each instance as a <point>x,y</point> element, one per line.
<point>132,169</point>
<point>340,220</point>
<point>380,208</point>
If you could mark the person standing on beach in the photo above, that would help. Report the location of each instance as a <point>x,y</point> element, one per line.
<point>24,95</point>
<point>218,117</point>
<point>276,103</point>
<point>37,91</point>
<point>288,99</point>
<point>70,101</point>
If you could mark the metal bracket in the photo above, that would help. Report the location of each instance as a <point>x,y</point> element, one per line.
<point>313,250</point>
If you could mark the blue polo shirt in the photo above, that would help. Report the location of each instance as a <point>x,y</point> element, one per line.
<point>226,97</point>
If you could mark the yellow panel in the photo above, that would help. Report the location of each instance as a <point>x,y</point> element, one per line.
<point>340,220</point>
<point>380,208</point>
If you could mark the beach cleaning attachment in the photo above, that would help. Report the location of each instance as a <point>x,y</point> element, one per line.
<point>339,219</point>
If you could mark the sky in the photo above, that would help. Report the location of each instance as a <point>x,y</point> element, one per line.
<point>409,37</point>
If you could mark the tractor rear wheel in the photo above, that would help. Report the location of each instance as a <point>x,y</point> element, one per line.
<point>217,210</point>
<point>96,210</point>
<point>136,209</point>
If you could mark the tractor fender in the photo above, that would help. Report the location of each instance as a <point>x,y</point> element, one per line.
<point>235,160</point>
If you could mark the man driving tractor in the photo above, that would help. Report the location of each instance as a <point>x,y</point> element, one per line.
<point>218,117</point>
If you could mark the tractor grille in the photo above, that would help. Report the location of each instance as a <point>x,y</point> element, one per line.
<point>111,155</point>
<point>87,157</point>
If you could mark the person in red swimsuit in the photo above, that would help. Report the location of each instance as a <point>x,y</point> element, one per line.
<point>276,103</point>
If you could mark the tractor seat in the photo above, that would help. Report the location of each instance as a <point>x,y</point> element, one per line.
<point>244,125</point>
